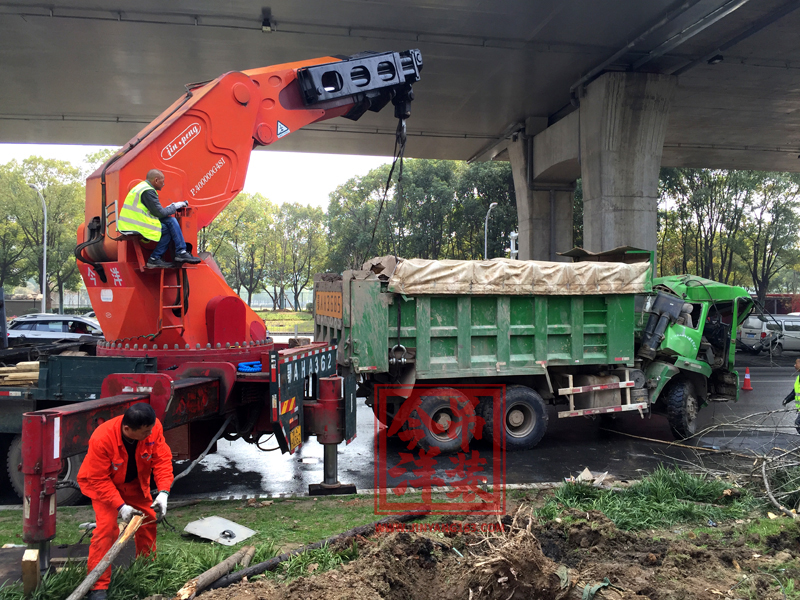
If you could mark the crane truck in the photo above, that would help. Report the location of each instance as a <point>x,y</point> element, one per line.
<point>180,338</point>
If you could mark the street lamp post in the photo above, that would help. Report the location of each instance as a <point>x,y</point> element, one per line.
<point>486,232</point>
<point>44,249</point>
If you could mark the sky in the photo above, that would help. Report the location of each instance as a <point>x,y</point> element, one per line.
<point>280,176</point>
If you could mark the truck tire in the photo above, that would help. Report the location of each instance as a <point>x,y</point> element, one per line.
<point>525,421</point>
<point>446,431</point>
<point>682,406</point>
<point>64,496</point>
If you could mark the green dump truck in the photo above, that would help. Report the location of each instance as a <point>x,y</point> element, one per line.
<point>598,336</point>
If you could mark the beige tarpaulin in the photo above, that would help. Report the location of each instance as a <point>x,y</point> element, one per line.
<point>517,277</point>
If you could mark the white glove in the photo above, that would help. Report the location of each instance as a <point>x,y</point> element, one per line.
<point>126,513</point>
<point>180,205</point>
<point>160,504</point>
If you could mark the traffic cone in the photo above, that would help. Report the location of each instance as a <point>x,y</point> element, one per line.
<point>747,387</point>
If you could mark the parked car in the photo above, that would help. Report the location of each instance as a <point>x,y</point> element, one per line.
<point>759,333</point>
<point>789,338</point>
<point>48,328</point>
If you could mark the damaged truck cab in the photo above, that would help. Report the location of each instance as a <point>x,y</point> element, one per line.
<point>599,336</point>
<point>688,345</point>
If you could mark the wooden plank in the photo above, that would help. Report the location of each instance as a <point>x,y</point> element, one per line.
<point>31,576</point>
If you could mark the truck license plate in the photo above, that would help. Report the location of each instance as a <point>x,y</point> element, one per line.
<point>294,437</point>
<point>751,335</point>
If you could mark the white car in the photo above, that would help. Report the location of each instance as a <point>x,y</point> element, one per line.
<point>759,333</point>
<point>48,328</point>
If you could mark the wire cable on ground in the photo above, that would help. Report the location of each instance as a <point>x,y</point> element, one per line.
<point>206,451</point>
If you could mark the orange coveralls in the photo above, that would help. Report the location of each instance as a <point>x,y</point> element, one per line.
<point>102,478</point>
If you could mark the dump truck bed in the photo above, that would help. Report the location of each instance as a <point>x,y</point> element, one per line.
<point>479,334</point>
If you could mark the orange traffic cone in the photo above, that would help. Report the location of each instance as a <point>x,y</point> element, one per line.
<point>747,387</point>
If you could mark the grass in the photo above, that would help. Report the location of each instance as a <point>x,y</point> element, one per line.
<point>665,498</point>
<point>284,322</point>
<point>281,526</point>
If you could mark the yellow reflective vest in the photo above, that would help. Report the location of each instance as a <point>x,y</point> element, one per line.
<point>797,393</point>
<point>134,216</point>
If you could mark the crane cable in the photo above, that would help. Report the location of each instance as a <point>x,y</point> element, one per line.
<point>399,151</point>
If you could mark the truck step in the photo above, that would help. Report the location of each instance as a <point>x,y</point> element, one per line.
<point>640,406</point>
<point>595,388</point>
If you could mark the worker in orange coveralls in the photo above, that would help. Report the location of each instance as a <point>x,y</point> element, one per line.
<point>116,476</point>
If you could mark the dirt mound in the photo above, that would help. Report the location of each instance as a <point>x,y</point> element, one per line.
<point>550,561</point>
<point>405,565</point>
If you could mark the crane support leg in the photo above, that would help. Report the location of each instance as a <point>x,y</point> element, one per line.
<point>327,418</point>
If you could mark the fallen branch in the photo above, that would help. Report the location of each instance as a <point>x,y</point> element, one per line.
<point>272,563</point>
<point>106,561</point>
<point>248,557</point>
<point>679,445</point>
<point>194,586</point>
<point>772,499</point>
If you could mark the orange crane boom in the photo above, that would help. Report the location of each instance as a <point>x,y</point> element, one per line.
<point>202,143</point>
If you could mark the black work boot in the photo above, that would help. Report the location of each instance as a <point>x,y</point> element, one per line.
<point>185,257</point>
<point>157,263</point>
<point>97,595</point>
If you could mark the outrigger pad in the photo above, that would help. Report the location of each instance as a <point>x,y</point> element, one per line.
<point>343,489</point>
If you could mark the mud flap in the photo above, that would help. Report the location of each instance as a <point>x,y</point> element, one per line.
<point>350,407</point>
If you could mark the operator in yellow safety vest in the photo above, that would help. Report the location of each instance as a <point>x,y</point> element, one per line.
<point>795,395</point>
<point>142,213</point>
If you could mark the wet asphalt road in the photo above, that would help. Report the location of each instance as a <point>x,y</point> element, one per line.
<point>239,469</point>
<point>570,445</point>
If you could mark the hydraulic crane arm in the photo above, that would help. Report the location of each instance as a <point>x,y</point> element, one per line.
<point>202,143</point>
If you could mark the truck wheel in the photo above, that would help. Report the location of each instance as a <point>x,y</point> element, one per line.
<point>777,349</point>
<point>69,471</point>
<point>682,407</point>
<point>525,421</point>
<point>446,430</point>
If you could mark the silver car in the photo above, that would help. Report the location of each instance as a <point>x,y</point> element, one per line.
<point>48,328</point>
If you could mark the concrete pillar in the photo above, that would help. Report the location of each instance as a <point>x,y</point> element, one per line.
<point>623,119</point>
<point>544,210</point>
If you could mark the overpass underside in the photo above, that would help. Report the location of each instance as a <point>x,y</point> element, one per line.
<point>607,92</point>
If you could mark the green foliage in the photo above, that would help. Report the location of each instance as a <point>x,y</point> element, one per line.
<point>664,498</point>
<point>737,227</point>
<point>13,243</point>
<point>436,211</point>
<point>62,189</point>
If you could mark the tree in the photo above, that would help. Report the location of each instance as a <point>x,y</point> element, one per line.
<point>435,211</point>
<point>771,229</point>
<point>708,210</point>
<point>13,243</point>
<point>61,186</point>
<point>358,223</point>
<point>305,234</point>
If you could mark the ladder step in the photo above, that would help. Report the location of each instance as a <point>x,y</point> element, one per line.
<point>173,287</point>
<point>171,306</point>
<point>172,327</point>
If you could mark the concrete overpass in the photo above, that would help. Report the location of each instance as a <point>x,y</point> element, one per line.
<point>606,91</point>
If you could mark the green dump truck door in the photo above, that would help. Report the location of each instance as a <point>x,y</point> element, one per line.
<point>369,341</point>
